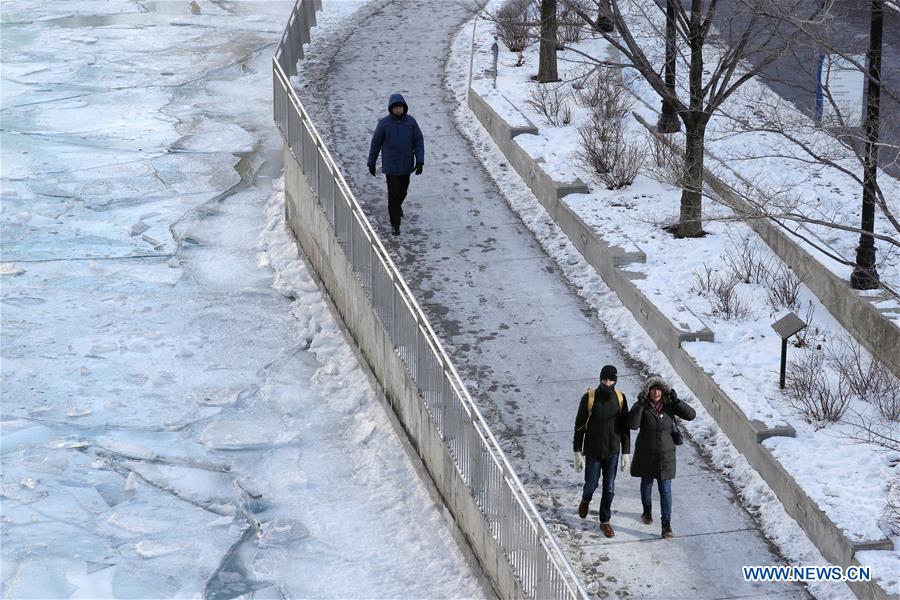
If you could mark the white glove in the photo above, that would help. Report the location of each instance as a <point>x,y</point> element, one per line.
<point>624,462</point>
<point>578,462</point>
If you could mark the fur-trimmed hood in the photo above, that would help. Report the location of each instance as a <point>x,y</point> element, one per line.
<point>655,381</point>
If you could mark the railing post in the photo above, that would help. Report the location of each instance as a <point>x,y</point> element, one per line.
<point>303,20</point>
<point>310,12</point>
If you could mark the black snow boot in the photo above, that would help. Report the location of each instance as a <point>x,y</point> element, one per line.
<point>666,529</point>
<point>647,516</point>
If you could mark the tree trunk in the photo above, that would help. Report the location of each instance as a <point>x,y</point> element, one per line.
<point>689,223</point>
<point>547,66</point>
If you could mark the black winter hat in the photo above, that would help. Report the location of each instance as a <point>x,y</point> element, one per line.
<point>609,372</point>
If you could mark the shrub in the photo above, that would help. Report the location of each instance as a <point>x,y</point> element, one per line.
<point>892,507</point>
<point>809,392</point>
<point>668,164</point>
<point>571,26</point>
<point>783,289</point>
<point>703,280</point>
<point>551,102</point>
<point>743,260</point>
<point>606,150</point>
<point>725,301</point>
<point>810,336</point>
<point>514,24</point>
<point>602,90</point>
<point>868,378</point>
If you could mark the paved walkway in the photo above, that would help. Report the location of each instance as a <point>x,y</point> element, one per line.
<point>524,340</point>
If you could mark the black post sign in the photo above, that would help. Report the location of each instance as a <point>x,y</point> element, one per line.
<point>785,327</point>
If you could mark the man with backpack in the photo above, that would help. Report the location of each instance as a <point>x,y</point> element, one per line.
<point>601,435</point>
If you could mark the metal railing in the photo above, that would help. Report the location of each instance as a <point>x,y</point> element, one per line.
<point>517,527</point>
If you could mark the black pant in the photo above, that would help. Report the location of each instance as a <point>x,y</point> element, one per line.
<point>397,186</point>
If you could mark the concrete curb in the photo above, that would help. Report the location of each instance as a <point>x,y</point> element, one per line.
<point>316,237</point>
<point>744,433</point>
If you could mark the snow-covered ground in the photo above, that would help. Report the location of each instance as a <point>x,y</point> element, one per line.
<point>744,359</point>
<point>181,415</point>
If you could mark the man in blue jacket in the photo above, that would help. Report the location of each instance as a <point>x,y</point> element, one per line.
<point>399,140</point>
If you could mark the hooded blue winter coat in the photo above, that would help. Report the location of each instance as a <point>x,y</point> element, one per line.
<point>397,139</point>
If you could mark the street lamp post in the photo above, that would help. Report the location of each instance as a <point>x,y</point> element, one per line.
<point>668,118</point>
<point>865,275</point>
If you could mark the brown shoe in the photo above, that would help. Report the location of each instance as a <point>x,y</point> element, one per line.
<point>647,517</point>
<point>583,509</point>
<point>607,530</point>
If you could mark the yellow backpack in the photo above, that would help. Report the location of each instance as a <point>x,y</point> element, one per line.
<point>590,407</point>
<point>592,391</point>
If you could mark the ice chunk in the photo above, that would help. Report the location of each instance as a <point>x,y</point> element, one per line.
<point>131,485</point>
<point>139,228</point>
<point>234,435</point>
<point>217,136</point>
<point>152,241</point>
<point>280,532</point>
<point>78,410</point>
<point>111,493</point>
<point>137,524</point>
<point>92,567</point>
<point>135,581</point>
<point>128,449</point>
<point>152,548</point>
<point>34,579</point>
<point>20,433</point>
<point>11,269</point>
<point>104,348</point>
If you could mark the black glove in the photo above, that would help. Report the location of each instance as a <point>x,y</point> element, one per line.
<point>419,168</point>
<point>673,397</point>
<point>372,170</point>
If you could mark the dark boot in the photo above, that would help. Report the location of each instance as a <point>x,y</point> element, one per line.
<point>647,516</point>
<point>583,509</point>
<point>607,530</point>
<point>666,529</point>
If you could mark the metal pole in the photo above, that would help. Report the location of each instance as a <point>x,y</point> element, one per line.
<point>864,276</point>
<point>783,362</point>
<point>668,118</point>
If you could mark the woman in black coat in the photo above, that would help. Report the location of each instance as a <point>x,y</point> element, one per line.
<point>654,452</point>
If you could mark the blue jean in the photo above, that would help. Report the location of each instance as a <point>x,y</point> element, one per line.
<point>665,495</point>
<point>593,468</point>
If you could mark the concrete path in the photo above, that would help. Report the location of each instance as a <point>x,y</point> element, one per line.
<point>525,342</point>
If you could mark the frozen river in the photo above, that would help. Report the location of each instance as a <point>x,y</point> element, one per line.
<point>181,415</point>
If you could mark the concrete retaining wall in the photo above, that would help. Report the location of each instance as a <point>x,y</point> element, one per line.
<point>745,434</point>
<point>315,235</point>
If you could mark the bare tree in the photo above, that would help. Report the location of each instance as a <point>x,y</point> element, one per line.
<point>640,33</point>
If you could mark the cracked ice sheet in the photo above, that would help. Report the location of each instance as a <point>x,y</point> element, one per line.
<point>137,392</point>
<point>95,131</point>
